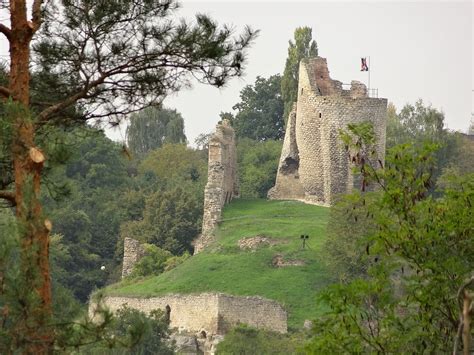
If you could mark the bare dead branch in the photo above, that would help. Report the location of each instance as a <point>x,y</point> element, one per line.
<point>9,196</point>
<point>36,15</point>
<point>5,92</point>
<point>6,31</point>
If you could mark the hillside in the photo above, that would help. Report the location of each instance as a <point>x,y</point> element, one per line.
<point>227,268</point>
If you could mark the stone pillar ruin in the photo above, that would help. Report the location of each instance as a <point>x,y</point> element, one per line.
<point>222,181</point>
<point>314,166</point>
<point>133,251</point>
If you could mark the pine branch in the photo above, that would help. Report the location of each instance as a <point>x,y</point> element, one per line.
<point>48,112</point>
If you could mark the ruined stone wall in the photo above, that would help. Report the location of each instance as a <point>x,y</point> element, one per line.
<point>133,251</point>
<point>323,109</point>
<point>254,311</point>
<point>214,313</point>
<point>192,313</point>
<point>222,181</point>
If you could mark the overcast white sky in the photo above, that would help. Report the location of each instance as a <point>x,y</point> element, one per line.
<point>418,49</point>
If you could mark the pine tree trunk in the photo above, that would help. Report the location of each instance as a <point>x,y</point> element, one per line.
<point>28,163</point>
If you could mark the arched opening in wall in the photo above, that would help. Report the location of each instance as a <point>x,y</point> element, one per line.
<point>320,115</point>
<point>167,313</point>
<point>203,334</point>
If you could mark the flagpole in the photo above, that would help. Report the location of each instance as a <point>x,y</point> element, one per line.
<point>369,77</point>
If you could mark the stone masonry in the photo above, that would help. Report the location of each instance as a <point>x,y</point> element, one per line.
<point>213,313</point>
<point>314,166</point>
<point>133,251</point>
<point>222,181</point>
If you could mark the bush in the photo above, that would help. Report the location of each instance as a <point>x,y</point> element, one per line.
<point>174,261</point>
<point>258,165</point>
<point>153,263</point>
<point>245,340</point>
<point>133,332</point>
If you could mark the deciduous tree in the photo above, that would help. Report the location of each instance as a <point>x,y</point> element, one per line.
<point>303,47</point>
<point>154,126</point>
<point>260,112</point>
<point>422,254</point>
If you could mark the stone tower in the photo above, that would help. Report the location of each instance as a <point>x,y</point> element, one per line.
<point>222,181</point>
<point>314,166</point>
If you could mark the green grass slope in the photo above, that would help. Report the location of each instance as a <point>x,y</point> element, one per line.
<point>226,268</point>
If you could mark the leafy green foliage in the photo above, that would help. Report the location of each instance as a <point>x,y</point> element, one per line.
<point>153,263</point>
<point>175,165</point>
<point>153,127</point>
<point>303,47</point>
<point>156,261</point>
<point>123,332</point>
<point>344,250</point>
<point>171,220</point>
<point>415,123</point>
<point>260,110</point>
<point>419,124</point>
<point>422,253</point>
<point>176,260</point>
<point>246,340</point>
<point>258,164</point>
<point>94,175</point>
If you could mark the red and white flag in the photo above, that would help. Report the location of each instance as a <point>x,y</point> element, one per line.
<point>363,64</point>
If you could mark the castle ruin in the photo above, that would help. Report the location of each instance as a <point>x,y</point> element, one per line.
<point>222,181</point>
<point>314,166</point>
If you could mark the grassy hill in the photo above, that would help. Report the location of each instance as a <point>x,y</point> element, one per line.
<point>227,268</point>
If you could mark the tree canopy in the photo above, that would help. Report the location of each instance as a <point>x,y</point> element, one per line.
<point>260,112</point>
<point>152,127</point>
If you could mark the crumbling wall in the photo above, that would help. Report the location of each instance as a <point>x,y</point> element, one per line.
<point>213,313</point>
<point>133,251</point>
<point>222,181</point>
<point>323,109</point>
<point>288,183</point>
<point>192,313</point>
<point>257,312</point>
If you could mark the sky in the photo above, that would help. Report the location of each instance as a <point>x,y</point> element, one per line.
<point>420,49</point>
<point>417,50</point>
